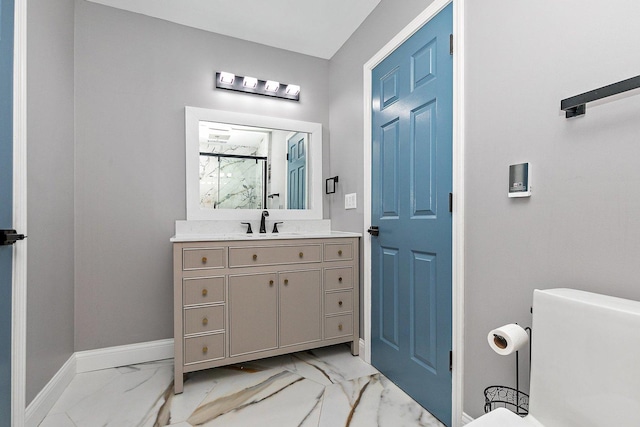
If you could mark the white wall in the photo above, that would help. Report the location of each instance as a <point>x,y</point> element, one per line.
<point>134,76</point>
<point>50,200</point>
<point>580,227</point>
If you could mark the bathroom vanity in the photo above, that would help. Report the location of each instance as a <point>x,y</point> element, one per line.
<point>239,298</point>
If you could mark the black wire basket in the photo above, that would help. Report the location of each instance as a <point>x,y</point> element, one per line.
<point>497,396</point>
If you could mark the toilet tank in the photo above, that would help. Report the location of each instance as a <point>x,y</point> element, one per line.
<point>585,368</point>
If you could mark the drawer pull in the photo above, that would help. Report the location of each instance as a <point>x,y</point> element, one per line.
<point>205,349</point>
<point>340,252</point>
<point>204,292</point>
<point>270,282</point>
<point>300,254</point>
<point>255,257</point>
<point>286,281</point>
<point>340,327</point>
<point>205,321</point>
<point>340,303</point>
<point>204,259</point>
<point>340,279</point>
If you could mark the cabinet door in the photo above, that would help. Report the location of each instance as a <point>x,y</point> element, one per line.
<point>300,303</point>
<point>253,313</point>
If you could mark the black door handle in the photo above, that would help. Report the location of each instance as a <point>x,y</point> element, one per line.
<point>373,230</point>
<point>9,237</point>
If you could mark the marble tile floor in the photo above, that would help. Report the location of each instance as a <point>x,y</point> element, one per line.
<point>325,387</point>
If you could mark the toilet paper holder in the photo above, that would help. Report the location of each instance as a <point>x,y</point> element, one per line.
<point>505,395</point>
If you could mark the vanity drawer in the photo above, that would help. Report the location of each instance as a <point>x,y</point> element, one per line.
<point>201,349</point>
<point>338,251</point>
<point>203,290</point>
<point>199,259</point>
<point>338,302</point>
<point>203,319</point>
<point>338,326</point>
<point>338,278</point>
<point>272,255</point>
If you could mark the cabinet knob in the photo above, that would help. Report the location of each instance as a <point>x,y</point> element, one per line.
<point>340,252</point>
<point>286,281</point>
<point>340,279</point>
<point>205,349</point>
<point>205,321</point>
<point>340,303</point>
<point>204,292</point>
<point>270,282</point>
<point>255,257</point>
<point>204,259</point>
<point>340,327</point>
<point>300,254</point>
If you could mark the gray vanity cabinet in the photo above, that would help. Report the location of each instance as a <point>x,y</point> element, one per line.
<point>253,313</point>
<point>241,300</point>
<point>300,307</point>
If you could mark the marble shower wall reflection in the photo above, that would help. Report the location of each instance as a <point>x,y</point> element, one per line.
<point>233,176</point>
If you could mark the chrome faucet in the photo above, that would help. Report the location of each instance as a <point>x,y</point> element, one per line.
<point>263,227</point>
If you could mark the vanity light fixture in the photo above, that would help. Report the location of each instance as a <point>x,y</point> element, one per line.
<point>271,86</point>
<point>292,90</point>
<point>250,82</point>
<point>227,78</point>
<point>230,81</point>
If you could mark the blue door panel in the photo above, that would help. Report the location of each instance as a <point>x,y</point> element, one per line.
<point>6,196</point>
<point>389,300</point>
<point>423,323</point>
<point>412,98</point>
<point>389,171</point>
<point>423,144</point>
<point>296,169</point>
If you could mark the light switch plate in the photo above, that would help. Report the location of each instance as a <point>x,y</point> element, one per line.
<point>350,201</point>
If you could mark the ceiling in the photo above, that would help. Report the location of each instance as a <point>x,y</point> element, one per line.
<point>312,27</point>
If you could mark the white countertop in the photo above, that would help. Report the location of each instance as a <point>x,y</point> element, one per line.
<point>199,237</point>
<point>214,231</point>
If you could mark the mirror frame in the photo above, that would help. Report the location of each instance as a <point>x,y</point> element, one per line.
<point>193,115</point>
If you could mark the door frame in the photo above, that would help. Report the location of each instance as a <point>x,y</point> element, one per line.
<point>19,270</point>
<point>458,188</point>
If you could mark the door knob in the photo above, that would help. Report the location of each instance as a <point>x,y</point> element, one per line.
<point>373,230</point>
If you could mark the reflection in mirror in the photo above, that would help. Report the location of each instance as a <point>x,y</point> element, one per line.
<point>250,162</point>
<point>244,167</point>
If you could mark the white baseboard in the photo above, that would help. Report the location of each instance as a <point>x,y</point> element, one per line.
<point>48,396</point>
<point>93,360</point>
<point>466,419</point>
<point>122,355</point>
<point>361,348</point>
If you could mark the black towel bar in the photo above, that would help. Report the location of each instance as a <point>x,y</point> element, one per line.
<point>575,106</point>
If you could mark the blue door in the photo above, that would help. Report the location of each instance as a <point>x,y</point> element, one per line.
<point>297,171</point>
<point>6,214</point>
<point>411,260</point>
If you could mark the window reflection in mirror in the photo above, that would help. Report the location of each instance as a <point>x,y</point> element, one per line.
<point>245,167</point>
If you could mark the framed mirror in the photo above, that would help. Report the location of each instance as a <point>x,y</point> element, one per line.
<point>239,164</point>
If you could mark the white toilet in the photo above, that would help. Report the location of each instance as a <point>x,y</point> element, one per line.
<point>585,366</point>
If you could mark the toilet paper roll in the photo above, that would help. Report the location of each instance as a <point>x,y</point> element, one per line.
<point>507,339</point>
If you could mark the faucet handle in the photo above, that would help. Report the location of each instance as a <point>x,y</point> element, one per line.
<point>275,226</point>
<point>248,224</point>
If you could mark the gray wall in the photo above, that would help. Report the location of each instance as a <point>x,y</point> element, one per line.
<point>580,227</point>
<point>50,190</point>
<point>134,76</point>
